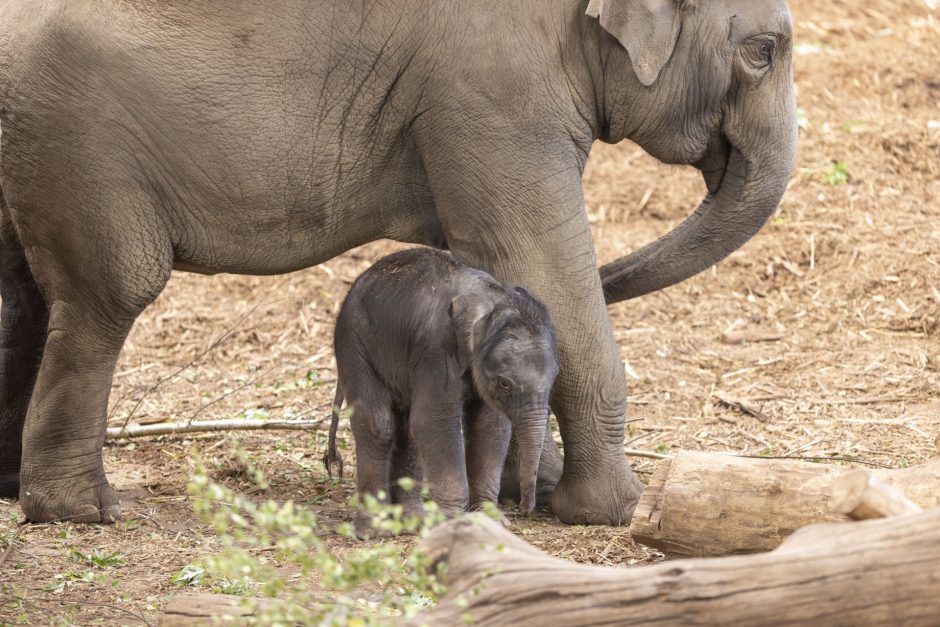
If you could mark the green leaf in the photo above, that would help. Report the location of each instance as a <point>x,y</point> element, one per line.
<point>836,174</point>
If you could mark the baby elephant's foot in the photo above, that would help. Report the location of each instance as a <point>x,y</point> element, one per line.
<point>366,530</point>
<point>491,509</point>
<point>410,501</point>
<point>411,522</point>
<point>412,516</point>
<point>332,459</point>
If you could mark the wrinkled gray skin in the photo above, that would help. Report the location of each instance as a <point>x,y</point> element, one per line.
<point>440,363</point>
<point>261,137</point>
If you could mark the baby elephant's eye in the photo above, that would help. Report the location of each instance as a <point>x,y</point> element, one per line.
<point>503,384</point>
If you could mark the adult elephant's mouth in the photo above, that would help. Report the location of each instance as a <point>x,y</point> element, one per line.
<point>743,192</point>
<point>714,162</point>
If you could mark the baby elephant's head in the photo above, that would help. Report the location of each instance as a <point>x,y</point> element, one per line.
<point>507,338</point>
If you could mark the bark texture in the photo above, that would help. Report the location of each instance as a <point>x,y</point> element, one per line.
<point>707,504</point>
<point>861,495</point>
<point>878,572</point>
<point>203,608</point>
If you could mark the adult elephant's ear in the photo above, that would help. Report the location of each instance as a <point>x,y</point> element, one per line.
<point>469,312</point>
<point>648,29</point>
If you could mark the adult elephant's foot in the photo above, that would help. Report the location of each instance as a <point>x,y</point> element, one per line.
<point>85,499</point>
<point>599,494</point>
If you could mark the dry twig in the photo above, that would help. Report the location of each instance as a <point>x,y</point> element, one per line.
<point>173,428</point>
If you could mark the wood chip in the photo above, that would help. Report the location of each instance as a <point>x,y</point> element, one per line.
<point>742,337</point>
<point>741,405</point>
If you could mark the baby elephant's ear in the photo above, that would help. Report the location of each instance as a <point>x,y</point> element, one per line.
<point>470,312</point>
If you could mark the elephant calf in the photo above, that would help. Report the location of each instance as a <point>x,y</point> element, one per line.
<point>440,363</point>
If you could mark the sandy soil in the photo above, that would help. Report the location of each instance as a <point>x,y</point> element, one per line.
<point>846,277</point>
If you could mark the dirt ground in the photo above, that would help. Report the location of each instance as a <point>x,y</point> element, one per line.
<point>844,281</point>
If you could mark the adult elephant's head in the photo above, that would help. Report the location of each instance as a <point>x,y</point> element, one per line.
<point>707,83</point>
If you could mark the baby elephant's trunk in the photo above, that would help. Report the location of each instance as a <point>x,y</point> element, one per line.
<point>530,433</point>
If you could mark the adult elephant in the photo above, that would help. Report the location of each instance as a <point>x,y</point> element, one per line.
<point>262,137</point>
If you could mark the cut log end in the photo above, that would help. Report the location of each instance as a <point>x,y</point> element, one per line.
<point>860,495</point>
<point>706,504</point>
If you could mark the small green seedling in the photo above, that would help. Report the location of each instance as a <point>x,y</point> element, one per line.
<point>97,557</point>
<point>836,174</point>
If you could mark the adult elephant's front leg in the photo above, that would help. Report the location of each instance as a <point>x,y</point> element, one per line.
<point>523,220</point>
<point>589,397</point>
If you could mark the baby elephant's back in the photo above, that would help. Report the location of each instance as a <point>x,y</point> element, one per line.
<point>396,304</point>
<point>403,279</point>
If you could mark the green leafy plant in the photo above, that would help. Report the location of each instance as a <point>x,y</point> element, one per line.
<point>9,532</point>
<point>836,174</point>
<point>97,558</point>
<point>266,543</point>
<point>311,380</point>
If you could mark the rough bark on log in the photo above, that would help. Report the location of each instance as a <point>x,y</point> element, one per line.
<point>879,572</point>
<point>202,608</point>
<point>861,495</point>
<point>708,504</point>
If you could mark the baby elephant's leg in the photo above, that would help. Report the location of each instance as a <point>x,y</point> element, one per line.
<point>405,465</point>
<point>488,432</point>
<point>373,428</point>
<point>436,418</point>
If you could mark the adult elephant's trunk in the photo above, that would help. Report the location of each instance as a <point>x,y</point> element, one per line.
<point>743,192</point>
<point>530,433</point>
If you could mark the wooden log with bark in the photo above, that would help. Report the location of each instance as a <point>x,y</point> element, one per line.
<point>878,572</point>
<point>708,504</point>
<point>860,495</point>
<point>203,608</point>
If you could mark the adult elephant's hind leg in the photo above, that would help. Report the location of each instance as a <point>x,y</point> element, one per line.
<point>589,397</point>
<point>97,278</point>
<point>23,323</point>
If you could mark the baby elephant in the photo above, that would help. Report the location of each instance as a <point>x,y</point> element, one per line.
<point>432,357</point>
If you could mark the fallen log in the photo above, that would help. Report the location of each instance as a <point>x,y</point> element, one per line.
<point>707,504</point>
<point>878,572</point>
<point>202,608</point>
<point>861,495</point>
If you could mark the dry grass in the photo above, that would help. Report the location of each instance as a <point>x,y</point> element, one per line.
<point>825,329</point>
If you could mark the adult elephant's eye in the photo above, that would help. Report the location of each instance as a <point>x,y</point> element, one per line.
<point>759,51</point>
<point>503,384</point>
<point>767,51</point>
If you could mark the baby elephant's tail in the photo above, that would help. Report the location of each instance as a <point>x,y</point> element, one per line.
<point>331,456</point>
